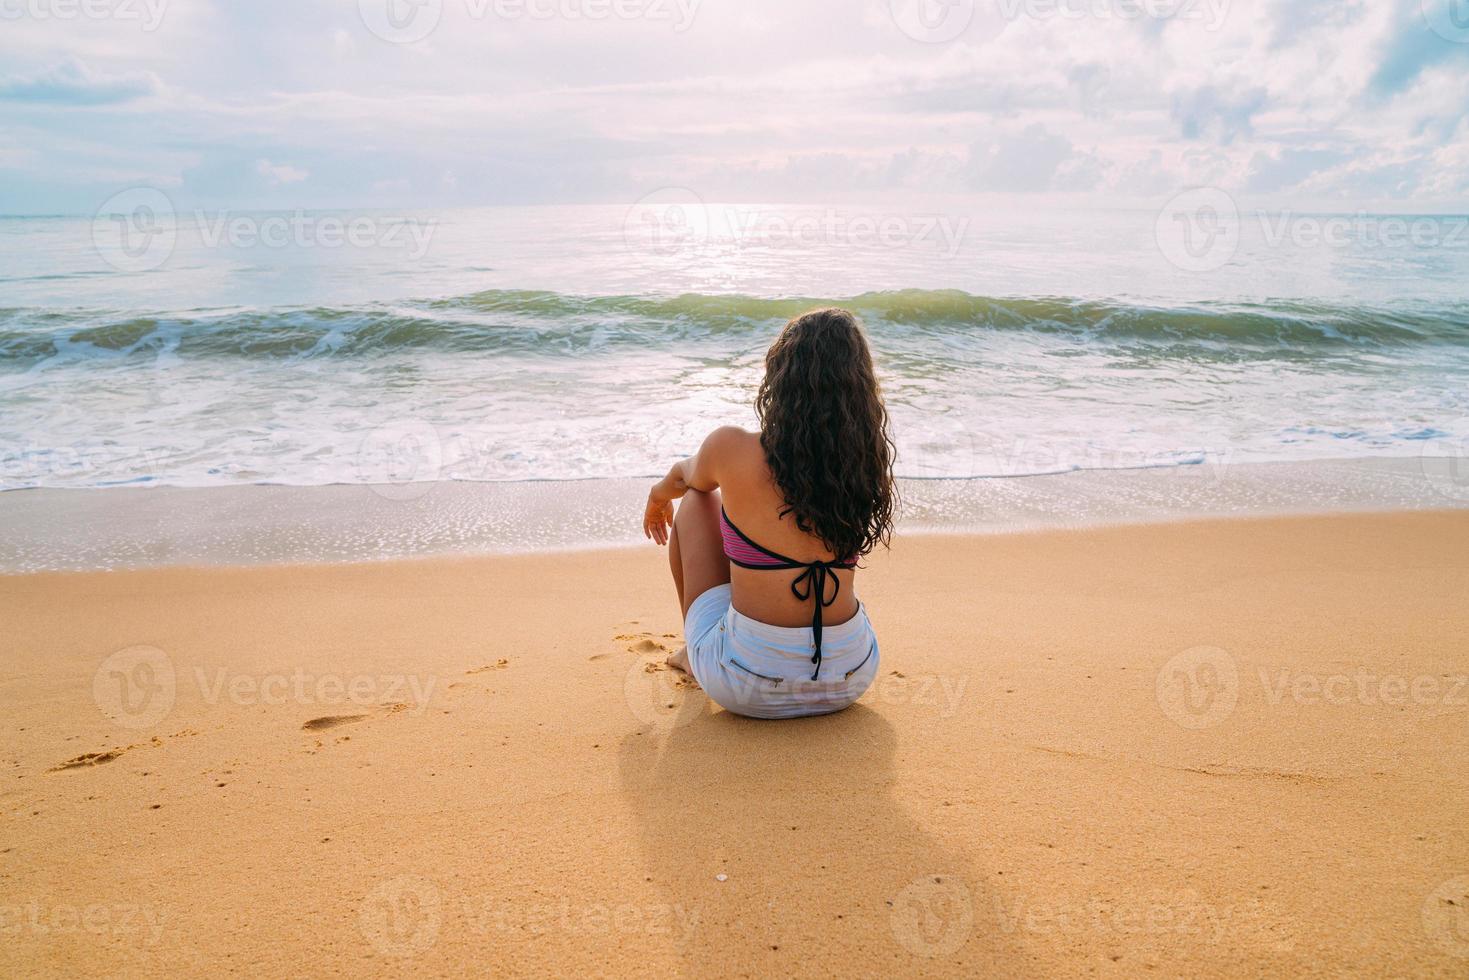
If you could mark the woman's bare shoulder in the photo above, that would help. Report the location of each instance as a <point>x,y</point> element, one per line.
<point>737,449</point>
<point>733,441</point>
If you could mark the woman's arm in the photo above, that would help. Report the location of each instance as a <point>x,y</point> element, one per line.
<point>698,472</point>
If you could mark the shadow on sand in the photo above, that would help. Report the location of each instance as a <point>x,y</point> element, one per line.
<point>819,858</point>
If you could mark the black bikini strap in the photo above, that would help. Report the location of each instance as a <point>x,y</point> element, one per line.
<point>811,584</point>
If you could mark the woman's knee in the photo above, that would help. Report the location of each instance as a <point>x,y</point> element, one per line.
<point>698,505</point>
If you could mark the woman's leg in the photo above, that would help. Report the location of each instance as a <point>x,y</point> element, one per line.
<point>675,562</point>
<point>700,549</point>
<point>696,554</point>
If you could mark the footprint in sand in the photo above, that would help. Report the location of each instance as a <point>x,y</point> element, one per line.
<point>500,664</point>
<point>655,692</point>
<point>644,643</point>
<point>88,759</point>
<point>331,721</point>
<point>679,678</point>
<point>328,722</point>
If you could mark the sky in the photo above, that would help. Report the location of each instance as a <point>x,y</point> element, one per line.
<point>1332,104</point>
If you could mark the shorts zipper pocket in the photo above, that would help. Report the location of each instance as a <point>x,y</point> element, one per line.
<point>848,675</point>
<point>763,677</point>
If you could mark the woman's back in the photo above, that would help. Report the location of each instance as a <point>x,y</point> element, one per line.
<point>753,504</point>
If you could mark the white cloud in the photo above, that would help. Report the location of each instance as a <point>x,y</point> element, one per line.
<point>280,173</point>
<point>1338,99</point>
<point>71,83</point>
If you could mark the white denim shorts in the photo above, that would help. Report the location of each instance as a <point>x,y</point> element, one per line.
<point>763,671</point>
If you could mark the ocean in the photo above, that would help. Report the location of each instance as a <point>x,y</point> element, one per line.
<point>152,346</point>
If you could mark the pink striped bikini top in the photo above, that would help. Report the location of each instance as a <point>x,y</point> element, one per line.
<point>811,584</point>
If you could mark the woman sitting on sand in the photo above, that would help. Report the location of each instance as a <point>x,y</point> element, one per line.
<point>774,629</point>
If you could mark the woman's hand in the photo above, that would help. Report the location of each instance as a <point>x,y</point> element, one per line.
<point>657,518</point>
<point>658,515</point>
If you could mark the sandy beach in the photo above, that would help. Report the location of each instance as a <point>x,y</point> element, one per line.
<point>1217,748</point>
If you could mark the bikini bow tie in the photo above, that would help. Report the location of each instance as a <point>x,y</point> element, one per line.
<point>810,584</point>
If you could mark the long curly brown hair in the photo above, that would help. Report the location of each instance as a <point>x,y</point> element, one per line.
<point>824,429</point>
